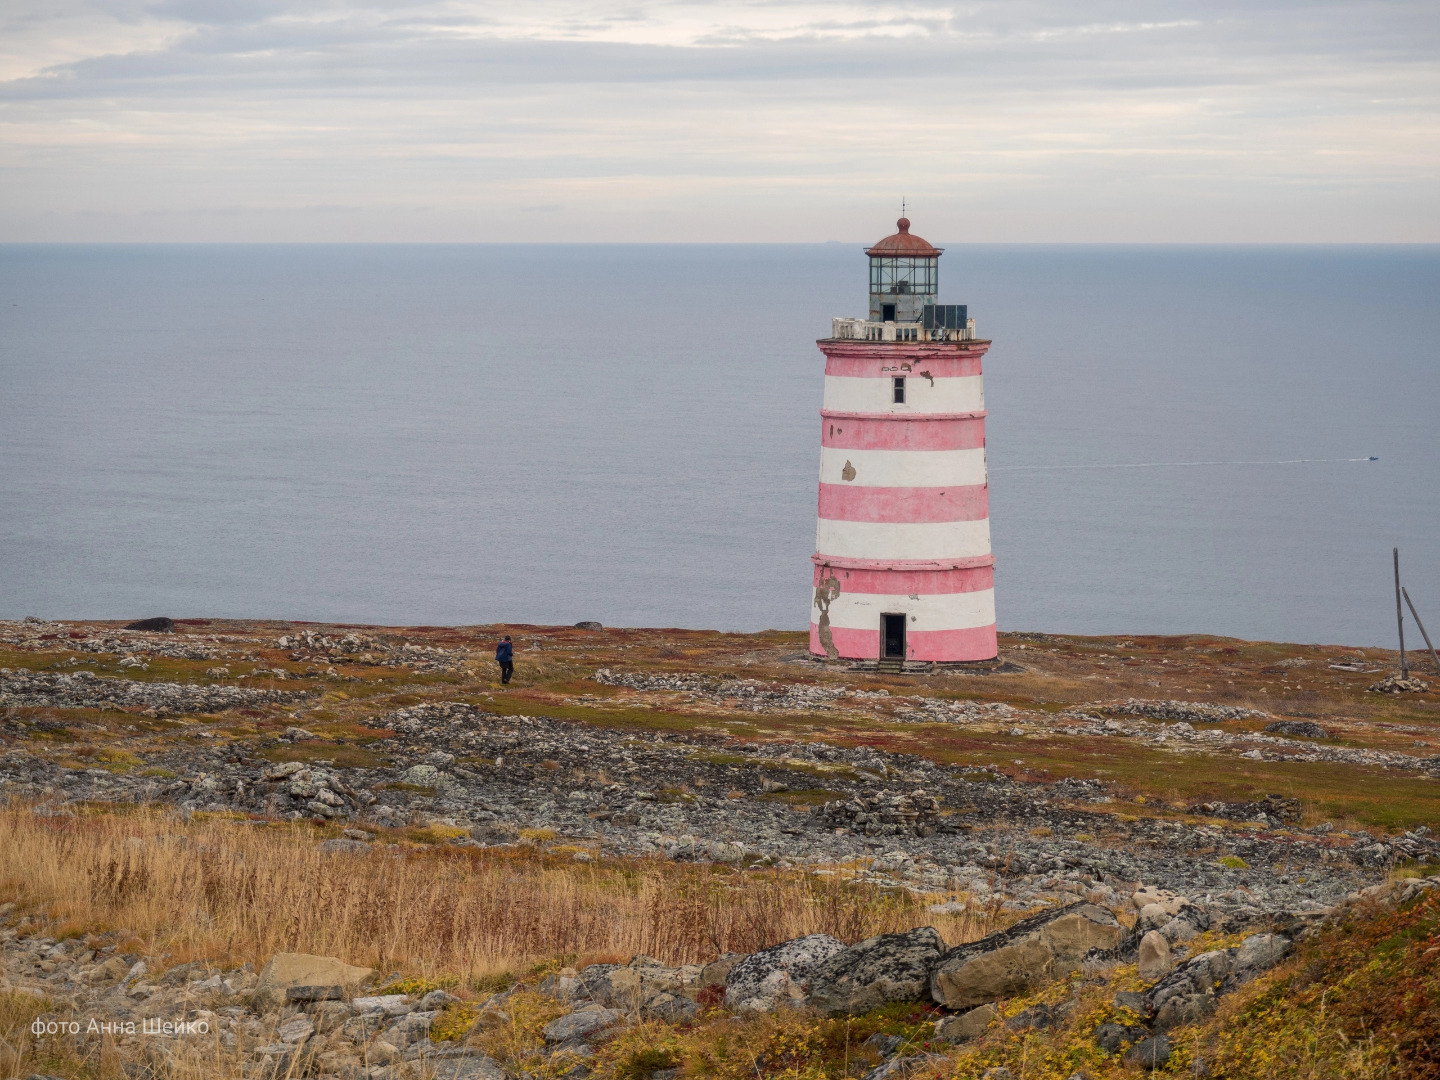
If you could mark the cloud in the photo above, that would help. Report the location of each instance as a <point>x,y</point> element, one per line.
<point>785,119</point>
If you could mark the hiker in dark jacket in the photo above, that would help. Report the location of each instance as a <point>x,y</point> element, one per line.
<point>505,657</point>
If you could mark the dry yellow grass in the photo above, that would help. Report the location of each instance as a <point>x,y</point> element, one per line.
<point>229,892</point>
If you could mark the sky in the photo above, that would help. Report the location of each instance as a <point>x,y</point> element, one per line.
<point>1230,121</point>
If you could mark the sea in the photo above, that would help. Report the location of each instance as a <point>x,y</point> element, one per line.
<point>1183,439</point>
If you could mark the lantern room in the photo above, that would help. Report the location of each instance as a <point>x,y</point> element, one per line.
<point>904,276</point>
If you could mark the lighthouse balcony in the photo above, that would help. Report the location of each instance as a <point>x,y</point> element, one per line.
<point>865,330</point>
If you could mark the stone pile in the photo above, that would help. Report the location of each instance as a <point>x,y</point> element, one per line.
<point>750,694</point>
<point>1304,729</point>
<point>1394,684</point>
<point>1193,712</point>
<point>945,711</point>
<point>1271,810</point>
<point>308,646</point>
<point>1180,735</point>
<point>876,813</point>
<point>44,637</point>
<point>85,690</point>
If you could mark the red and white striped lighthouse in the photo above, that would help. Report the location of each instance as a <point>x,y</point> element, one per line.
<point>903,569</point>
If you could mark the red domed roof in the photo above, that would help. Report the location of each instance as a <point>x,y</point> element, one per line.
<point>902,243</point>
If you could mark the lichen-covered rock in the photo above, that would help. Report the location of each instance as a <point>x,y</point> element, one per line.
<point>1151,1053</point>
<point>968,1025</point>
<point>306,969</point>
<point>1155,961</point>
<point>590,1024</point>
<point>777,976</point>
<point>875,972</point>
<point>1189,992</point>
<point>1022,957</point>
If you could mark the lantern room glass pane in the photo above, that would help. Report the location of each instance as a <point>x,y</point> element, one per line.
<point>896,274</point>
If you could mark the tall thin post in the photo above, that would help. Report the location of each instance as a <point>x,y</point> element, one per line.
<point>1416,615</point>
<point>1400,618</point>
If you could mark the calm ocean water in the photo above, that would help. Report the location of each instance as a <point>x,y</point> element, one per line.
<point>439,434</point>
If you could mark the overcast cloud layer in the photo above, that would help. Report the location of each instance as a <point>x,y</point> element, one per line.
<point>454,120</point>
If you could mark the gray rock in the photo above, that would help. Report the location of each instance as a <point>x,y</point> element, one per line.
<point>717,971</point>
<point>1155,961</point>
<point>883,1044</point>
<point>159,624</point>
<point>777,976</point>
<point>1022,957</point>
<point>468,1067</point>
<point>968,1025</point>
<point>329,1015</point>
<point>409,1029</point>
<point>670,1007</point>
<point>875,972</point>
<point>296,1029</point>
<point>1187,994</point>
<point>1132,1000</point>
<point>1110,1037</point>
<point>1260,952</point>
<point>1305,729</point>
<point>1151,1053</point>
<point>589,1025</point>
<point>300,994</point>
<point>588,624</point>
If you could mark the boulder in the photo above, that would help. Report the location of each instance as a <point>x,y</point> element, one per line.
<point>875,972</point>
<point>1151,1053</point>
<point>1305,729</point>
<point>160,624</point>
<point>968,1025</point>
<point>590,1024</point>
<point>299,995</point>
<point>1111,1037</point>
<point>717,971</point>
<point>1022,957</point>
<point>1188,993</point>
<point>644,985</point>
<point>409,1029</point>
<point>305,969</point>
<point>1258,953</point>
<point>1155,961</point>
<point>779,975</point>
<point>588,624</point>
<point>296,1029</point>
<point>1185,924</point>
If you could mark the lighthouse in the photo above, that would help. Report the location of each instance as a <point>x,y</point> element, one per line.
<point>903,569</point>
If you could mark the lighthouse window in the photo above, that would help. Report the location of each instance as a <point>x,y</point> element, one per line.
<point>899,389</point>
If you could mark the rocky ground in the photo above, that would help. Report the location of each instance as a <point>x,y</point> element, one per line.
<point>609,747</point>
<point>305,1015</point>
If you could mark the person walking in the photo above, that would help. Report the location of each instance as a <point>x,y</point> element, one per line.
<point>505,657</point>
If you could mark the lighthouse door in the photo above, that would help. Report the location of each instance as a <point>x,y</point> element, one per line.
<point>893,636</point>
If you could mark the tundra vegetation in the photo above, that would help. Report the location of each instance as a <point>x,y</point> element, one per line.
<point>661,854</point>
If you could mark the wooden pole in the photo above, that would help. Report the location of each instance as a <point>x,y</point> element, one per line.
<point>1400,618</point>
<point>1416,615</point>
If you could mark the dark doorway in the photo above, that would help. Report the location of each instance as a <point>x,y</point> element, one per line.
<point>887,312</point>
<point>893,638</point>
